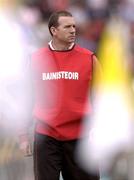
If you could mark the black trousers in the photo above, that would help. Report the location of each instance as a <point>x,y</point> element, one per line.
<point>52,156</point>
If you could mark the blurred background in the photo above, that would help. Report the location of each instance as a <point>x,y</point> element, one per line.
<point>105,27</point>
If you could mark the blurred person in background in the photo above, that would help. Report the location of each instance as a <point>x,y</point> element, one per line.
<point>34,27</point>
<point>61,74</point>
<point>13,53</point>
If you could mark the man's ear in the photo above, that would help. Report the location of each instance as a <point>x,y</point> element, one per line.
<point>53,30</point>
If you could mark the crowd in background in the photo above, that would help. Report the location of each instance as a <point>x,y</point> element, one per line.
<point>92,17</point>
<point>31,16</point>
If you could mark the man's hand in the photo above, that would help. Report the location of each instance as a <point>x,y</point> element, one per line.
<point>25,146</point>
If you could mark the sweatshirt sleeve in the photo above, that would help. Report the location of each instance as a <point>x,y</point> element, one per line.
<point>97,74</point>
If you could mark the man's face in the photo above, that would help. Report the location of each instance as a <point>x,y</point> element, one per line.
<point>66,29</point>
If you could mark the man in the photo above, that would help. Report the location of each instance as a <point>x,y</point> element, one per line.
<point>62,74</point>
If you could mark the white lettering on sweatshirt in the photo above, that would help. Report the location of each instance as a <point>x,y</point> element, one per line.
<point>60,75</point>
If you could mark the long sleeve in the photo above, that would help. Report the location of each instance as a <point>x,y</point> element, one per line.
<point>97,75</point>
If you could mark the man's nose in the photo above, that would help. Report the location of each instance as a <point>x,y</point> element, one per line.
<point>72,30</point>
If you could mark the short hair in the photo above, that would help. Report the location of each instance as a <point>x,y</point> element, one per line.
<point>53,20</point>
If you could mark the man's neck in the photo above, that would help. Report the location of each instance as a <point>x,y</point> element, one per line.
<point>60,46</point>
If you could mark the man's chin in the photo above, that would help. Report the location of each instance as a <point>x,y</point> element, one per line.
<point>71,41</point>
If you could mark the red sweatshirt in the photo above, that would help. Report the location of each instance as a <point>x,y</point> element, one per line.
<point>61,84</point>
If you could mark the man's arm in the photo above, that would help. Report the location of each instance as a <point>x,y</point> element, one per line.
<point>97,75</point>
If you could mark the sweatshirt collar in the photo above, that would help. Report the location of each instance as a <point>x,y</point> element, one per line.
<point>52,48</point>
